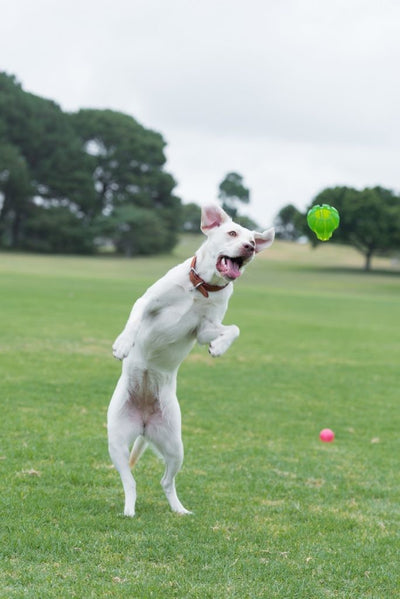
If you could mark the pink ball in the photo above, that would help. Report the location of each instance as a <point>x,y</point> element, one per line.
<point>326,435</point>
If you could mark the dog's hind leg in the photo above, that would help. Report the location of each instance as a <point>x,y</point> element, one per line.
<point>123,429</point>
<point>173,463</point>
<point>166,438</point>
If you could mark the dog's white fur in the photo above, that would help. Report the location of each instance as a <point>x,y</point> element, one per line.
<point>162,328</point>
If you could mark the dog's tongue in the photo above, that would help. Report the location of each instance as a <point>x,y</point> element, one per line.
<point>229,268</point>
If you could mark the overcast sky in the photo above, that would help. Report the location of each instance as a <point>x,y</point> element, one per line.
<point>294,95</point>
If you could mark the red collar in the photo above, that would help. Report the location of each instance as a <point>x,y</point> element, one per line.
<point>199,283</point>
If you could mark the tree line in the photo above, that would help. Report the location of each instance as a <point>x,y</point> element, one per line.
<point>78,182</point>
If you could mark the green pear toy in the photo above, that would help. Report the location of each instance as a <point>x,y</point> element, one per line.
<point>323,220</point>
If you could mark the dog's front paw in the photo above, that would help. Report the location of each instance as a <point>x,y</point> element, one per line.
<point>122,346</point>
<point>220,344</point>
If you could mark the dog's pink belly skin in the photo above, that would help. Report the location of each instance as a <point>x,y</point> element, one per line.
<point>147,391</point>
<point>143,413</point>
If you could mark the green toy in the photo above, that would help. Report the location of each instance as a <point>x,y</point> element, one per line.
<point>323,220</point>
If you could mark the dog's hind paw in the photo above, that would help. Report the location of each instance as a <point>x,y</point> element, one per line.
<point>122,346</point>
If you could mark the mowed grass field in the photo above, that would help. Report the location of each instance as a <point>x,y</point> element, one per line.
<point>277,513</point>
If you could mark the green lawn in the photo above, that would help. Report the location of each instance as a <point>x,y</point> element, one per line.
<point>277,513</point>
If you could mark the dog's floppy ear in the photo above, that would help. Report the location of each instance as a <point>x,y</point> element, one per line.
<point>264,240</point>
<point>212,216</point>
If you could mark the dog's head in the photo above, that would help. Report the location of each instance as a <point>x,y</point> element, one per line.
<point>232,246</point>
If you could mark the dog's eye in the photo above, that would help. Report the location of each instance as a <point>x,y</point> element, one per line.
<point>232,233</point>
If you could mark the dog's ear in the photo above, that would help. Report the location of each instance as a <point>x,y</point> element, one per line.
<point>212,216</point>
<point>264,240</point>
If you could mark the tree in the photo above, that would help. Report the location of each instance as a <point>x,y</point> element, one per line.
<point>232,192</point>
<point>289,223</point>
<point>191,216</point>
<point>138,231</point>
<point>57,230</point>
<point>63,175</point>
<point>129,179</point>
<point>369,219</point>
<point>17,193</point>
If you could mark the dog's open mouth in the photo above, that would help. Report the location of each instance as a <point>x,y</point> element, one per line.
<point>230,267</point>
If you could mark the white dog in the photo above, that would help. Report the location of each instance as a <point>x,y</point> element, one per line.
<point>185,306</point>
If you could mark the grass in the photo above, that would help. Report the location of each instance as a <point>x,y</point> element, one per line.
<point>277,513</point>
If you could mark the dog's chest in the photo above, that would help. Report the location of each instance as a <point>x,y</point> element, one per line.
<point>173,324</point>
<point>170,329</point>
<point>179,313</point>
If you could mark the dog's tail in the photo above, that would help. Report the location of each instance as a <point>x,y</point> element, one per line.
<point>138,448</point>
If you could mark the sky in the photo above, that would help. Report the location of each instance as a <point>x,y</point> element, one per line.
<point>295,96</point>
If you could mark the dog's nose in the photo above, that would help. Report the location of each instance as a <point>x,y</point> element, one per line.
<point>249,247</point>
